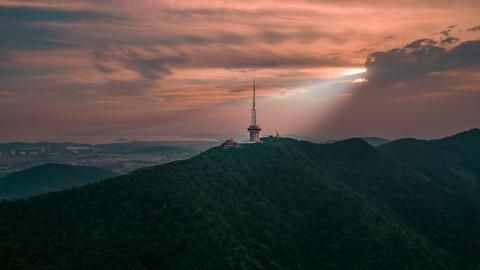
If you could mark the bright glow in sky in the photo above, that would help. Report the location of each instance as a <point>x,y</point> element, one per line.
<point>353,71</point>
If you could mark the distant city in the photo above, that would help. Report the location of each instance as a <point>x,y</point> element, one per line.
<point>118,157</point>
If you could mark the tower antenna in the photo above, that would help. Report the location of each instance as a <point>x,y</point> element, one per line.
<point>254,93</point>
<point>254,129</point>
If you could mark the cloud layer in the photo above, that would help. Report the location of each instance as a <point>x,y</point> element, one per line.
<point>156,66</point>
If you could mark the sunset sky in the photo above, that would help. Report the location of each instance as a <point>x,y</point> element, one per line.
<point>100,70</point>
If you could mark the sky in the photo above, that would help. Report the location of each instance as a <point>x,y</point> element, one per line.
<point>103,70</point>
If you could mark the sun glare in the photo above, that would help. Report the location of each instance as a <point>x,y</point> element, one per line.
<point>352,71</point>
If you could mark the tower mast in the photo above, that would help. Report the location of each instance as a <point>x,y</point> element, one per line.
<point>254,129</point>
<point>254,94</point>
<point>254,111</point>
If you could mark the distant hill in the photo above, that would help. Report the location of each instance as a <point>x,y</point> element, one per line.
<point>453,162</point>
<point>281,204</point>
<point>375,141</point>
<point>162,149</point>
<point>154,147</point>
<point>47,178</point>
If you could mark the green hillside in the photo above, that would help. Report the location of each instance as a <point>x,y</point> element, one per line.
<point>47,178</point>
<point>282,204</point>
<point>453,162</point>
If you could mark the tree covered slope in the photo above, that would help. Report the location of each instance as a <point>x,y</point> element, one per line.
<point>453,162</point>
<point>282,204</point>
<point>48,178</point>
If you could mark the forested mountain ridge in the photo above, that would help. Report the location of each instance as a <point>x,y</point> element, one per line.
<point>453,162</point>
<point>48,178</point>
<point>281,204</point>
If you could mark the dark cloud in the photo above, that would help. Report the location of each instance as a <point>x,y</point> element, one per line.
<point>466,54</point>
<point>422,89</point>
<point>421,43</point>
<point>147,66</point>
<point>103,68</point>
<point>29,14</point>
<point>24,27</point>
<point>151,68</point>
<point>446,32</point>
<point>397,64</point>
<point>449,40</point>
<point>419,57</point>
<point>474,28</point>
<point>25,36</point>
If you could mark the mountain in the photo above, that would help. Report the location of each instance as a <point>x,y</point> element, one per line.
<point>281,204</point>
<point>167,147</point>
<point>375,141</point>
<point>47,178</point>
<point>453,162</point>
<point>163,149</point>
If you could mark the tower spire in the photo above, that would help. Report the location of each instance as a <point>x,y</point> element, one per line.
<point>254,111</point>
<point>254,129</point>
<point>253,93</point>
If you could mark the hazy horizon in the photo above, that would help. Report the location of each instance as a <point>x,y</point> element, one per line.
<point>216,138</point>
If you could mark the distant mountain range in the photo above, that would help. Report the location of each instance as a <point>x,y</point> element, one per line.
<point>48,178</point>
<point>281,204</point>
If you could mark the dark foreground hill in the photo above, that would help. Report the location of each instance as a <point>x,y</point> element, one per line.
<point>48,178</point>
<point>283,204</point>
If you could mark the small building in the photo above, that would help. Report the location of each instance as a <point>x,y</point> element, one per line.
<point>230,143</point>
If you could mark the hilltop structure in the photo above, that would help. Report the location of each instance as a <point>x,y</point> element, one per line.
<point>230,143</point>
<point>254,129</point>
